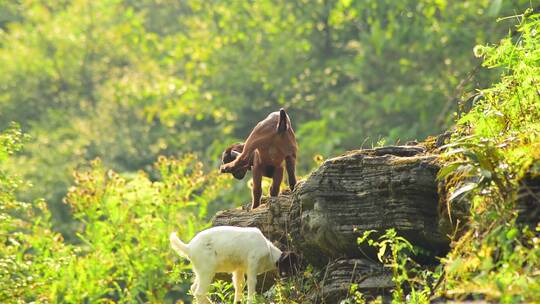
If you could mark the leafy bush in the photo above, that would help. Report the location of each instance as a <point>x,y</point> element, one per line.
<point>495,145</point>
<point>413,283</point>
<point>123,253</point>
<point>124,227</point>
<point>30,249</point>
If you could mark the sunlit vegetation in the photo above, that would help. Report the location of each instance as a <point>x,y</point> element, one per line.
<point>496,146</point>
<point>121,254</point>
<point>113,115</point>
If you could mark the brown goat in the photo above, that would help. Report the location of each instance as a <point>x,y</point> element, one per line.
<point>271,142</point>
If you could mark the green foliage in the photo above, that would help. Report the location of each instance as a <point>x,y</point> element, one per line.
<point>11,141</point>
<point>86,79</point>
<point>496,143</point>
<point>24,230</point>
<point>355,296</point>
<point>413,283</point>
<point>222,292</point>
<point>296,289</point>
<point>123,222</point>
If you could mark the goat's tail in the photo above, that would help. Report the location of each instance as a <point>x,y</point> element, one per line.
<point>282,125</point>
<point>180,247</point>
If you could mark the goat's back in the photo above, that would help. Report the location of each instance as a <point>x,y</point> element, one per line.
<point>229,248</point>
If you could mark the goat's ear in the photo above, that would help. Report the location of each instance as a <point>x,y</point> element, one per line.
<point>238,147</point>
<point>232,152</point>
<point>226,156</point>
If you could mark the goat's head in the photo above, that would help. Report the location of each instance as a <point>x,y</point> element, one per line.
<point>229,155</point>
<point>289,264</point>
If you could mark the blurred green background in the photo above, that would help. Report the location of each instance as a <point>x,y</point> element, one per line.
<point>127,81</point>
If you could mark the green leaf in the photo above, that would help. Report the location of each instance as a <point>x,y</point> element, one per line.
<point>447,169</point>
<point>364,236</point>
<point>382,251</point>
<point>511,234</point>
<point>466,188</point>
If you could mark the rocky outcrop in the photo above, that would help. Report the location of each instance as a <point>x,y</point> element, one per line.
<point>391,187</point>
<point>373,189</point>
<point>371,278</point>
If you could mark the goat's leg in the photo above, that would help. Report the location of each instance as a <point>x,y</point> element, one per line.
<point>239,163</point>
<point>276,181</point>
<point>254,140</point>
<point>257,189</point>
<point>251,283</point>
<point>194,286</point>
<point>203,285</point>
<point>238,281</point>
<point>290,164</point>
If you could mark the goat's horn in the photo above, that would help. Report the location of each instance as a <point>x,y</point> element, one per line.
<point>235,153</point>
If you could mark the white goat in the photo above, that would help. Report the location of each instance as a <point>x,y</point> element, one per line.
<point>238,250</point>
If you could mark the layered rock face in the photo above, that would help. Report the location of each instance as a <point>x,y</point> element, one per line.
<point>375,189</point>
<point>391,187</point>
<point>371,279</point>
